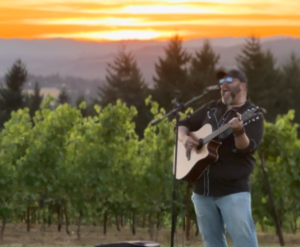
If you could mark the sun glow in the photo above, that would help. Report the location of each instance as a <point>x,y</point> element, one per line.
<point>169,9</point>
<point>89,22</point>
<point>115,35</point>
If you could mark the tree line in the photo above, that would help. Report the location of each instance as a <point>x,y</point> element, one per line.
<point>179,75</point>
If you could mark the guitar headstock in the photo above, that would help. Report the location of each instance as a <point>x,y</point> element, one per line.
<point>252,115</point>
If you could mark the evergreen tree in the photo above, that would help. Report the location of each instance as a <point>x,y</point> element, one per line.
<point>11,95</point>
<point>79,100</point>
<point>35,99</point>
<point>64,97</point>
<point>172,74</point>
<point>125,82</point>
<point>264,78</point>
<point>203,72</point>
<point>203,67</point>
<point>291,79</point>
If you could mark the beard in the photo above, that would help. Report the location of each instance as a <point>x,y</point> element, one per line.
<point>233,92</point>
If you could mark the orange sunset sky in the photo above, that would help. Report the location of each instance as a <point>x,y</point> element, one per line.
<point>144,19</point>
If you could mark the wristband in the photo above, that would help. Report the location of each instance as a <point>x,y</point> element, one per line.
<point>239,132</point>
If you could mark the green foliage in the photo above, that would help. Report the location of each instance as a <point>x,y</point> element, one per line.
<point>13,145</point>
<point>280,150</point>
<point>155,164</point>
<point>43,167</point>
<point>81,104</point>
<point>101,177</point>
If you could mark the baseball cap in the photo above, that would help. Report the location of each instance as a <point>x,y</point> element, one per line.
<point>233,73</point>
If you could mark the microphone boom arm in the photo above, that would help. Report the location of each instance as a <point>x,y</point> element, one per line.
<point>180,107</point>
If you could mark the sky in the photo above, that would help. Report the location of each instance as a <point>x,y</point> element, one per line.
<point>112,20</point>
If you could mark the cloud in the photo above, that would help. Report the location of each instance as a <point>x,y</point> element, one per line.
<point>151,21</point>
<point>159,7</point>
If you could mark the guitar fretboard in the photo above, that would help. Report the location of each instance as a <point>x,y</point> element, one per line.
<point>245,117</point>
<point>215,133</point>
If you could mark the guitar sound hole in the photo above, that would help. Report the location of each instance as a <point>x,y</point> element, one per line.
<point>200,145</point>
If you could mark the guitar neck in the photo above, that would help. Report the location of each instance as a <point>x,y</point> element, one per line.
<point>216,133</point>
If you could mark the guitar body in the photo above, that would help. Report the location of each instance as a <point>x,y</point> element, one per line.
<point>191,165</point>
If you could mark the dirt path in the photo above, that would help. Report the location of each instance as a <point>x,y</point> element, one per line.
<point>93,235</point>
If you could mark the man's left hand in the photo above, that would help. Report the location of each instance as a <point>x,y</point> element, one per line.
<point>236,123</point>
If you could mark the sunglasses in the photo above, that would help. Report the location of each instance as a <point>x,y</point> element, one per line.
<point>228,80</point>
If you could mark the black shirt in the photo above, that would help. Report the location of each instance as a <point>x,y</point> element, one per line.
<point>230,173</point>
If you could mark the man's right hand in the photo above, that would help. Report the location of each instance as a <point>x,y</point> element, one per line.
<point>189,142</point>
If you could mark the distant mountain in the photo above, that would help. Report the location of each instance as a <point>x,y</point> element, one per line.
<point>89,59</point>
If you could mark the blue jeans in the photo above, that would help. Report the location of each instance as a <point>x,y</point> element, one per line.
<point>232,212</point>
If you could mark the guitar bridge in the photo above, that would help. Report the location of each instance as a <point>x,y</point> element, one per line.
<point>188,154</point>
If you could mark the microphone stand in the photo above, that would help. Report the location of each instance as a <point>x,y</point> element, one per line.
<point>176,110</point>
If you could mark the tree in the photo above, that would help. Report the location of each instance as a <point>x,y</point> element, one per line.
<point>35,99</point>
<point>125,82</point>
<point>264,80</point>
<point>203,67</point>
<point>203,71</point>
<point>172,74</point>
<point>11,96</point>
<point>63,97</point>
<point>291,78</point>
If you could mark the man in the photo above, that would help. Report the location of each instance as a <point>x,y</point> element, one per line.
<point>221,195</point>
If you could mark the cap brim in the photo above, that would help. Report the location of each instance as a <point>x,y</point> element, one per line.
<point>221,74</point>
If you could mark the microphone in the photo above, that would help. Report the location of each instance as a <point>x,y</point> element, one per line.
<point>213,88</point>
